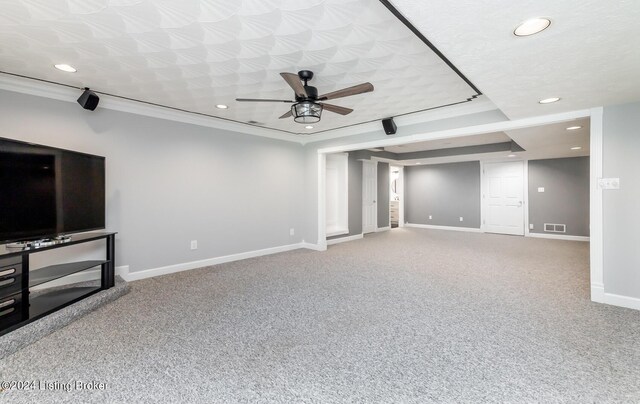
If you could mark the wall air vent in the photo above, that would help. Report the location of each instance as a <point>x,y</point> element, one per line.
<point>555,228</point>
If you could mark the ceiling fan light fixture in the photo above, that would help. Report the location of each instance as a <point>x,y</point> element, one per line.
<point>306,112</point>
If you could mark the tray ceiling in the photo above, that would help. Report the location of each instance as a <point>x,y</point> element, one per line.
<point>194,54</point>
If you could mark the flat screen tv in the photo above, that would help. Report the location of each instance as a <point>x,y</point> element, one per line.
<point>47,192</point>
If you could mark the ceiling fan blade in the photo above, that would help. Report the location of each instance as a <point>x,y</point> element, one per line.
<point>260,100</point>
<point>287,115</point>
<point>294,81</point>
<point>346,92</point>
<point>337,109</point>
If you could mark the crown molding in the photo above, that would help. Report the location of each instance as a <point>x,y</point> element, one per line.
<point>69,94</point>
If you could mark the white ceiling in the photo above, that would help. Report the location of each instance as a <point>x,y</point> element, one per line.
<point>540,142</point>
<point>589,56</point>
<point>194,54</point>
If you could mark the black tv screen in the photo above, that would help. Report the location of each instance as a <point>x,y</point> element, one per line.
<point>45,191</point>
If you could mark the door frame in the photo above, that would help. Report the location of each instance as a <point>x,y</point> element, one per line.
<point>525,192</point>
<point>342,160</point>
<point>374,164</point>
<point>596,170</point>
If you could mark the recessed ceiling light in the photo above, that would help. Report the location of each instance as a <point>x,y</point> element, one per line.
<point>222,106</point>
<point>574,127</point>
<point>532,26</point>
<point>576,148</point>
<point>65,68</point>
<point>549,100</point>
<point>511,155</point>
<point>308,127</point>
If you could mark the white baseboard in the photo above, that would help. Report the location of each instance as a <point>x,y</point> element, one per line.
<point>170,269</point>
<point>344,239</point>
<point>379,229</point>
<point>622,301</point>
<point>431,226</point>
<point>315,247</point>
<point>558,236</point>
<point>598,295</point>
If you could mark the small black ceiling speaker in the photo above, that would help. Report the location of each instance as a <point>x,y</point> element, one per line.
<point>389,126</point>
<point>89,100</point>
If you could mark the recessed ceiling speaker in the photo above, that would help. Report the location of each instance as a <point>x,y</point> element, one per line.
<point>389,126</point>
<point>89,100</point>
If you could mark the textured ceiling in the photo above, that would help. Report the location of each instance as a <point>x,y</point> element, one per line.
<point>194,54</point>
<point>589,56</point>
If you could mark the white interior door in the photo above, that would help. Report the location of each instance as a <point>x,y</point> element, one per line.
<point>369,195</point>
<point>503,197</point>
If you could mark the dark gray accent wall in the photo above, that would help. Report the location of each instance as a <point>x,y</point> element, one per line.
<point>444,191</point>
<point>621,144</point>
<point>565,199</point>
<point>355,197</point>
<point>383,195</point>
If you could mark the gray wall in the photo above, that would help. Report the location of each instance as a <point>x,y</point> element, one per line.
<point>444,191</point>
<point>169,183</point>
<point>311,160</point>
<point>621,158</point>
<point>355,197</point>
<point>383,194</point>
<point>565,199</point>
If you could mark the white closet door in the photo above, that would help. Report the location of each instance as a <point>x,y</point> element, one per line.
<point>503,197</point>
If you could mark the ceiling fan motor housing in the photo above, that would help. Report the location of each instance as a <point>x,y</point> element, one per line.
<point>312,93</point>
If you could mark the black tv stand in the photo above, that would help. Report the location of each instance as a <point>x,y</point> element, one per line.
<point>20,304</point>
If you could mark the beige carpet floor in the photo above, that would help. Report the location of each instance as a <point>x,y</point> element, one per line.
<point>404,316</point>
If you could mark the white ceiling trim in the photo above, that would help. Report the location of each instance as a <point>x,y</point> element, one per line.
<point>64,93</point>
<point>69,94</point>
<point>192,55</point>
<point>466,131</point>
<point>480,104</point>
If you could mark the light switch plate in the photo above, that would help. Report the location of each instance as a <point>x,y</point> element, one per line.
<point>609,183</point>
<point>540,189</point>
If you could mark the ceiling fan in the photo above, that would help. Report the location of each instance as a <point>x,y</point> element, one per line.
<point>307,107</point>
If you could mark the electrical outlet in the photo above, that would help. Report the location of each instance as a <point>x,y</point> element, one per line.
<point>530,226</point>
<point>292,231</point>
<point>194,244</point>
<point>430,217</point>
<point>461,218</point>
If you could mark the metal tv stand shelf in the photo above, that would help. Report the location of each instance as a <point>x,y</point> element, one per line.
<point>19,305</point>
